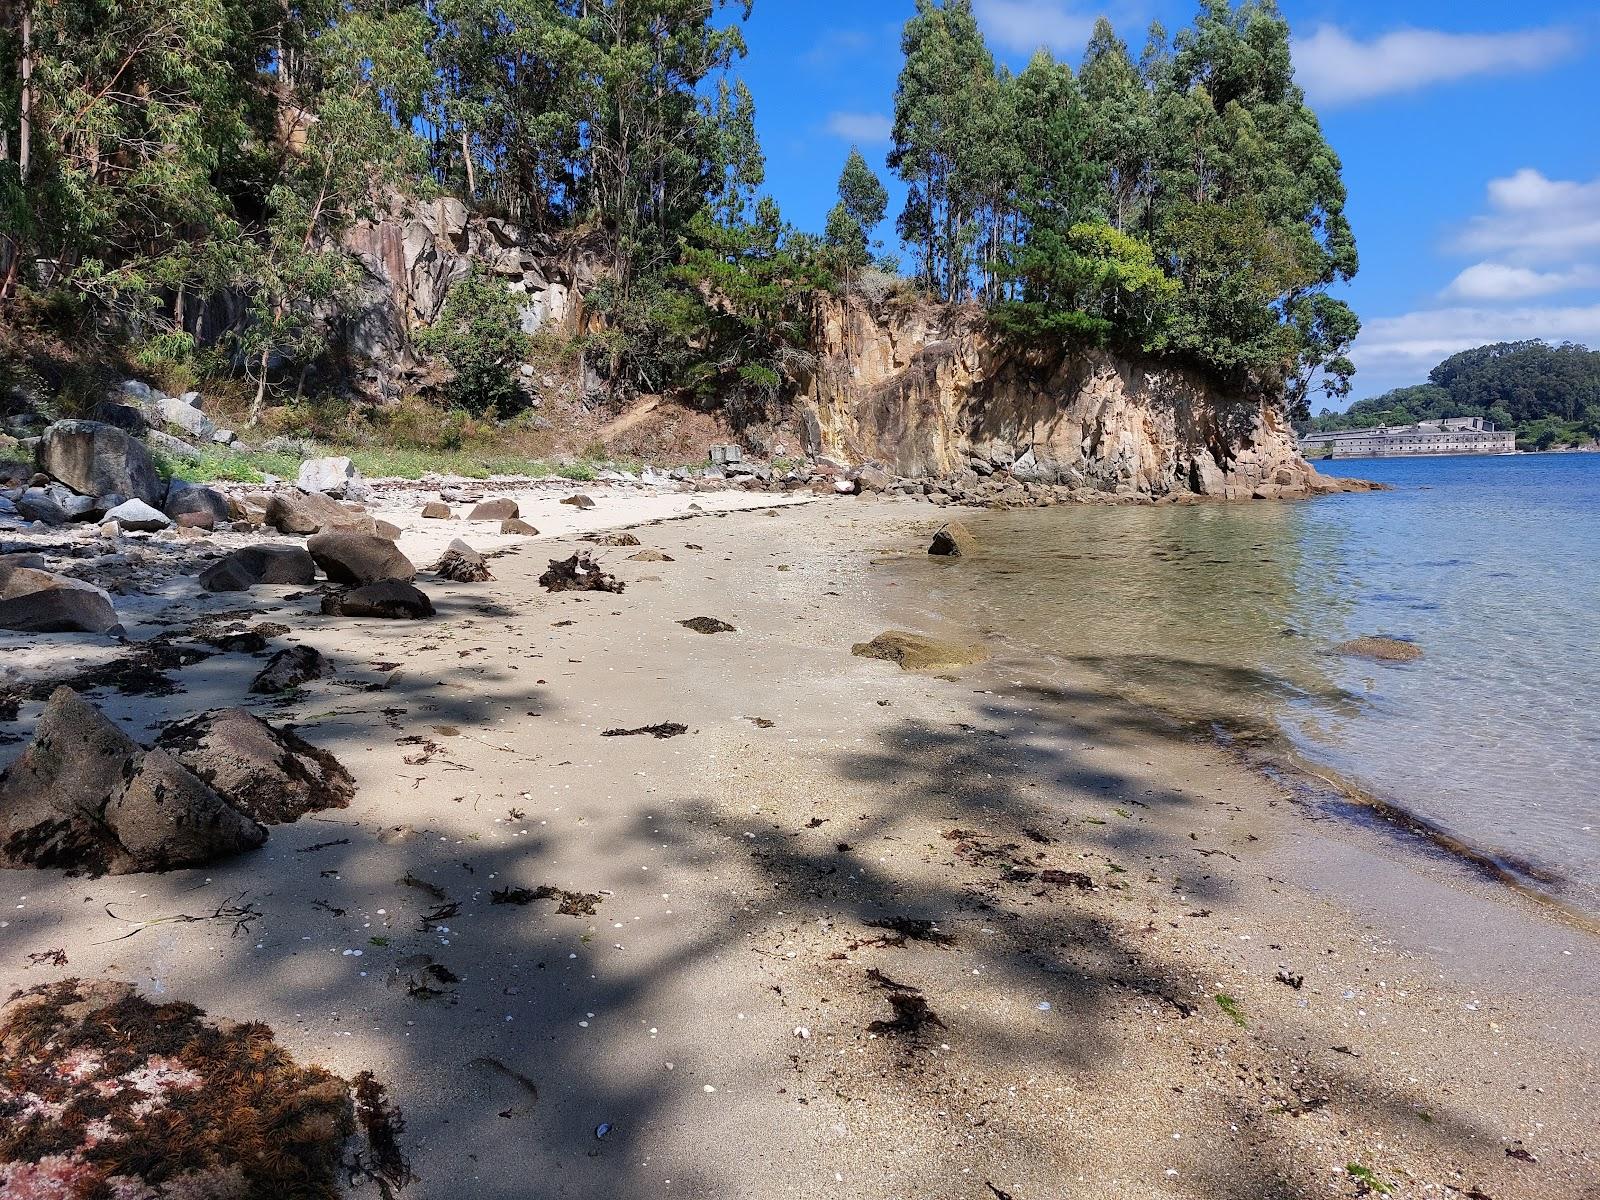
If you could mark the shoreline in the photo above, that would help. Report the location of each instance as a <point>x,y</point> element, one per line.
<point>740,869</point>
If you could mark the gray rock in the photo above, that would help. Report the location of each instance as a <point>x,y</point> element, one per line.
<point>137,515</point>
<point>192,399</point>
<point>141,392</point>
<point>289,668</point>
<point>303,513</point>
<point>37,504</point>
<point>35,601</point>
<point>873,478</point>
<point>85,796</point>
<point>192,421</point>
<point>174,448</point>
<point>124,416</point>
<point>358,559</point>
<point>335,477</point>
<point>271,775</point>
<point>389,600</point>
<point>249,566</point>
<point>225,437</point>
<point>93,458</point>
<point>207,508</point>
<point>500,509</point>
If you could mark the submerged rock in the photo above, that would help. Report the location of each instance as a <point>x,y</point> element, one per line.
<point>271,775</point>
<point>919,652</point>
<point>955,540</point>
<point>1382,649</point>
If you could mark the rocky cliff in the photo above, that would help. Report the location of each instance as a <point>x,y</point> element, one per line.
<point>930,392</point>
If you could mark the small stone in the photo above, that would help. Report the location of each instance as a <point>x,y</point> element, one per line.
<point>437,510</point>
<point>578,500</point>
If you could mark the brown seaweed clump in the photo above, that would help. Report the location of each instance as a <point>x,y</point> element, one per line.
<point>106,1095</point>
<point>580,573</point>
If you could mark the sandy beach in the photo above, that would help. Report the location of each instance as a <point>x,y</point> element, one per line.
<point>857,932</point>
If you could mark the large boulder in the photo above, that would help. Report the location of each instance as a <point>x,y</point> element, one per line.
<point>303,513</point>
<point>137,515</point>
<point>190,504</point>
<point>336,477</point>
<point>271,775</point>
<point>249,566</point>
<point>35,601</point>
<point>86,796</point>
<point>390,600</point>
<point>357,559</point>
<point>96,459</point>
<point>173,411</point>
<point>38,504</point>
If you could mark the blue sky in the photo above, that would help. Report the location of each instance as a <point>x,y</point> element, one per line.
<point>1470,134</point>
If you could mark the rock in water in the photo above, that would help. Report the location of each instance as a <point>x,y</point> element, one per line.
<point>580,573</point>
<point>462,564</point>
<point>501,509</point>
<point>96,459</point>
<point>84,796</point>
<point>1382,649</point>
<point>302,513</point>
<point>197,506</point>
<point>33,601</point>
<point>271,775</point>
<point>252,565</point>
<point>918,652</point>
<point>289,668</point>
<point>390,600</point>
<point>335,477</point>
<point>955,540</point>
<point>357,559</point>
<point>579,501</point>
<point>137,515</point>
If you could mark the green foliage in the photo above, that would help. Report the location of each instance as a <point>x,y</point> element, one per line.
<point>1233,1009</point>
<point>1549,394</point>
<point>479,334</point>
<point>863,201</point>
<point>1369,1180</point>
<point>1091,283</point>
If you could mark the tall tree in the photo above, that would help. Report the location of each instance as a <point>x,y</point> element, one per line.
<point>863,201</point>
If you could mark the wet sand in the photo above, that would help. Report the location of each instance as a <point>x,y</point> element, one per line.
<point>1152,971</point>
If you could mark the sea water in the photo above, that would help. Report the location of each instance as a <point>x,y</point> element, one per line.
<point>1230,617</point>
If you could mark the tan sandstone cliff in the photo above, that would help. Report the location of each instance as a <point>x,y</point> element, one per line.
<point>929,392</point>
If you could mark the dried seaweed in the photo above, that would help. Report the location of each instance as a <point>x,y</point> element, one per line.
<point>580,573</point>
<point>667,729</point>
<point>381,1123</point>
<point>573,904</point>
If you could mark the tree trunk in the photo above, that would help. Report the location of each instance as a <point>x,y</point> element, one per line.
<point>260,401</point>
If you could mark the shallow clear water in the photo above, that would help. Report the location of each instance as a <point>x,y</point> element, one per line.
<point>1231,615</point>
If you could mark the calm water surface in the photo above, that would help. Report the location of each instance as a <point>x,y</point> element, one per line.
<point>1231,614</point>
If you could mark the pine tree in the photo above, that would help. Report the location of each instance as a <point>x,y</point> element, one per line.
<point>863,201</point>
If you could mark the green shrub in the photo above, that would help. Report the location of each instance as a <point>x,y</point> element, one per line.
<point>479,334</point>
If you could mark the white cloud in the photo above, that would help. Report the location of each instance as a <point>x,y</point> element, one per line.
<point>1403,349</point>
<point>1335,68</point>
<point>1023,26</point>
<point>865,129</point>
<point>1501,281</point>
<point>1534,219</point>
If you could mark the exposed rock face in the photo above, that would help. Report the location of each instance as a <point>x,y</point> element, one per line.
<point>931,393</point>
<point>85,796</point>
<point>36,601</point>
<point>252,565</point>
<point>357,559</point>
<point>96,459</point>
<point>271,775</point>
<point>412,256</point>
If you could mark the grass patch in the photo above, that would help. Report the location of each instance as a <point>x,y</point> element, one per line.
<point>1369,1179</point>
<point>1233,1008</point>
